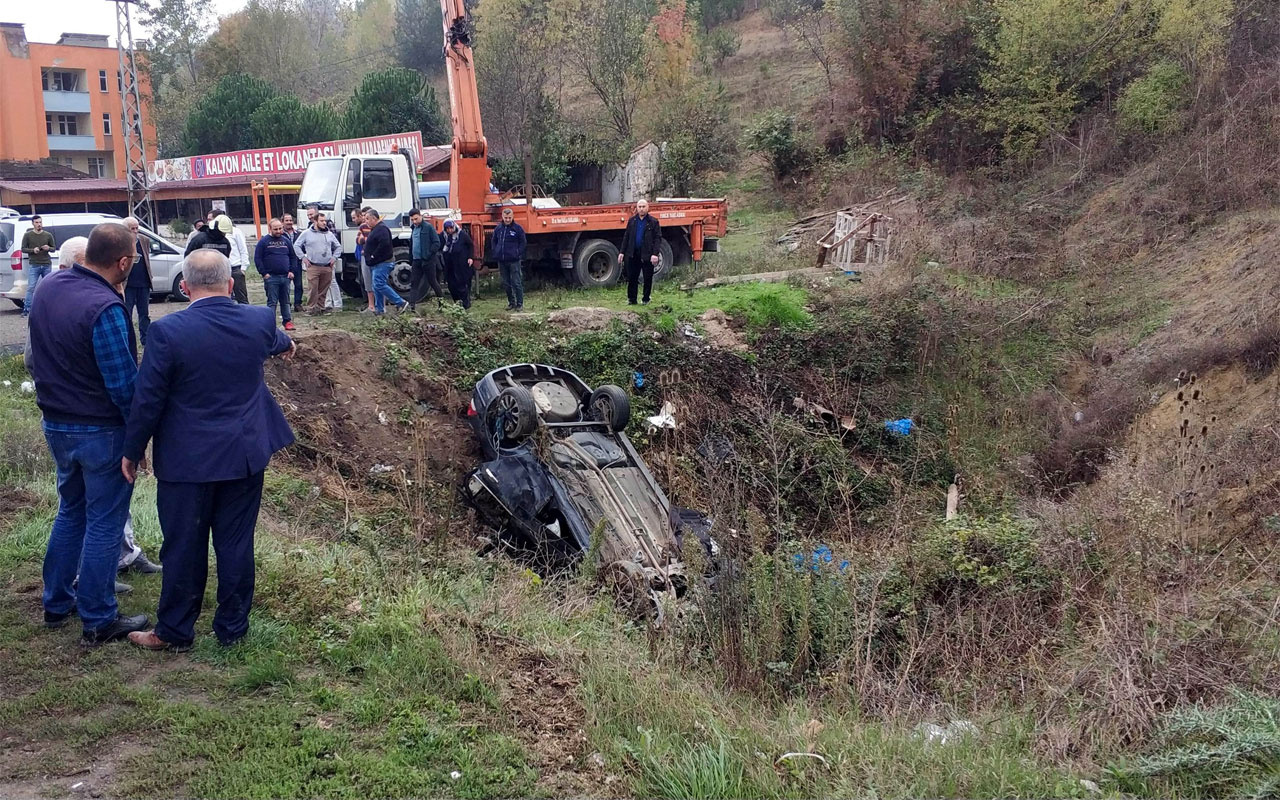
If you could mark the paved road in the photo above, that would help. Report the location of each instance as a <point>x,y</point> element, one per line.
<point>13,328</point>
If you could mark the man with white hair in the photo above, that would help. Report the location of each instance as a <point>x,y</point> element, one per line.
<point>137,288</point>
<point>202,400</point>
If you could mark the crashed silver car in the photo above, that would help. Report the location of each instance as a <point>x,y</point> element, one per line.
<point>560,472</point>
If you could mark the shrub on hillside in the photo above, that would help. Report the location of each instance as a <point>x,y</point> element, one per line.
<point>777,136</point>
<point>1151,104</point>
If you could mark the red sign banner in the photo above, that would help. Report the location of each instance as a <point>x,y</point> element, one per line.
<point>274,160</point>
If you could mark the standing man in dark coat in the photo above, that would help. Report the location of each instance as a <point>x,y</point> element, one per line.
<point>641,246</point>
<point>137,288</point>
<point>457,250</point>
<point>424,252</point>
<point>508,250</point>
<point>84,362</point>
<point>202,397</point>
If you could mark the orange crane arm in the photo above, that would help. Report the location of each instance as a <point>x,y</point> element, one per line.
<point>469,173</point>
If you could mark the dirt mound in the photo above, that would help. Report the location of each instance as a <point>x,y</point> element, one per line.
<point>352,405</point>
<point>580,319</point>
<point>716,324</point>
<point>14,499</point>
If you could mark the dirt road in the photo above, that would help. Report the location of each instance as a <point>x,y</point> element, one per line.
<point>13,328</point>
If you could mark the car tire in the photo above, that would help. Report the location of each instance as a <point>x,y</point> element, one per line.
<point>612,405</point>
<point>595,264</point>
<point>176,292</point>
<point>21,304</point>
<point>521,415</point>
<point>666,260</point>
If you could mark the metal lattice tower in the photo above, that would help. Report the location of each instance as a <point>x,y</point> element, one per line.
<point>135,147</point>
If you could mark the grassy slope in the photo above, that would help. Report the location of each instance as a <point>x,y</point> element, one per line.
<point>378,668</point>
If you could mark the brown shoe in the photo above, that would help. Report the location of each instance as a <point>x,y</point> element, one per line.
<point>148,640</point>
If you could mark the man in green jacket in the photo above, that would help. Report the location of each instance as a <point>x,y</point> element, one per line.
<point>37,243</point>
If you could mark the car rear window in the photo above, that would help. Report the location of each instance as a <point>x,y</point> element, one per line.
<point>6,235</point>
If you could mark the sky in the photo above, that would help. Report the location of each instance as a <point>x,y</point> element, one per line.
<point>46,20</point>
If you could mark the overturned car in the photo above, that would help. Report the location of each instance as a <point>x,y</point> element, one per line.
<point>560,472</point>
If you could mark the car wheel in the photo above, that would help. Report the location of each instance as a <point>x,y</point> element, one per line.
<point>512,416</point>
<point>595,264</point>
<point>21,304</point>
<point>176,292</point>
<point>610,404</point>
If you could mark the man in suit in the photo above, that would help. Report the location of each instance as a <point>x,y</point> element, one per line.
<point>137,287</point>
<point>641,248</point>
<point>201,396</point>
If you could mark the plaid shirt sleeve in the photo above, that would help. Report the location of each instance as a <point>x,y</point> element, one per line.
<point>115,361</point>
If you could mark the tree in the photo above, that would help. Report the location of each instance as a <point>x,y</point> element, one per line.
<point>176,30</point>
<point>395,100</point>
<point>287,120</point>
<point>419,36</point>
<point>608,43</point>
<point>515,49</point>
<point>220,120</point>
<point>695,132</point>
<point>812,24</point>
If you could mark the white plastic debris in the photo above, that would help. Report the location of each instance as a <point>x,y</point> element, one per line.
<point>665,419</point>
<point>7,384</point>
<point>28,387</point>
<point>953,732</point>
<point>1090,787</point>
<point>382,417</point>
<point>380,469</point>
<point>455,775</point>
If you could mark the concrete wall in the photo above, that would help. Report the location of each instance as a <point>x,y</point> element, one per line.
<point>635,179</point>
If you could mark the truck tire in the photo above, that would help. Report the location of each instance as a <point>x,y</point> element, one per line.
<point>666,259</point>
<point>595,264</point>
<point>401,277</point>
<point>610,404</point>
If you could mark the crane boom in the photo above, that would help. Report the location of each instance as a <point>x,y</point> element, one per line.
<point>469,173</point>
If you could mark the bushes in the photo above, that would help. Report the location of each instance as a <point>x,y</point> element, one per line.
<point>985,553</point>
<point>1151,103</point>
<point>777,137</point>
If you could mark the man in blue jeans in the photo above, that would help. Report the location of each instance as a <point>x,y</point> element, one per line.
<point>508,250</point>
<point>277,263</point>
<point>380,257</point>
<point>85,363</point>
<point>37,243</point>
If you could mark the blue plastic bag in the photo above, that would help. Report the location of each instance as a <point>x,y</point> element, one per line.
<point>900,427</point>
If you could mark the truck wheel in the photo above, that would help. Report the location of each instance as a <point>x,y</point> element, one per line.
<point>512,416</point>
<point>666,259</point>
<point>610,404</point>
<point>595,263</point>
<point>401,277</point>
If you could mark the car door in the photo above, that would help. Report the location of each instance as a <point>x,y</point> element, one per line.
<point>62,232</point>
<point>166,262</point>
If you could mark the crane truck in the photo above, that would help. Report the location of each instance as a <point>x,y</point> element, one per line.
<point>581,241</point>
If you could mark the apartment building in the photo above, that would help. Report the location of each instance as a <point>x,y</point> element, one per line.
<point>62,102</point>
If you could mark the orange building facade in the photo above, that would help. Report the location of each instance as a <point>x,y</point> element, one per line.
<point>62,102</point>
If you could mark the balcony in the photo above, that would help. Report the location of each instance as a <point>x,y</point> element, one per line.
<point>71,143</point>
<point>66,102</point>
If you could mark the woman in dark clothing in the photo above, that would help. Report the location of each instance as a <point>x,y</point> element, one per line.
<point>458,251</point>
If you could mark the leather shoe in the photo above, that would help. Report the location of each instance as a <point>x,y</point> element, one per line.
<point>54,621</point>
<point>142,565</point>
<point>122,627</point>
<point>148,640</point>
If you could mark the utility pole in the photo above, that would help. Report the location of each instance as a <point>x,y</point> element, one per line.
<point>135,147</point>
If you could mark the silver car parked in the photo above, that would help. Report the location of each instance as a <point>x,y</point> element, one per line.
<point>166,259</point>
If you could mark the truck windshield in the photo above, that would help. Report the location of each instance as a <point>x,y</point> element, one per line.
<point>320,184</point>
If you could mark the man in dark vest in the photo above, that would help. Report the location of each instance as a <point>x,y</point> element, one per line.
<point>640,250</point>
<point>137,289</point>
<point>85,363</point>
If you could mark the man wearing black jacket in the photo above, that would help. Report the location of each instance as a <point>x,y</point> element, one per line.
<point>459,252</point>
<point>380,257</point>
<point>640,250</point>
<point>137,288</point>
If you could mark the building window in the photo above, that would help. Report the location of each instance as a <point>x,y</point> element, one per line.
<point>119,82</point>
<point>60,124</point>
<point>69,162</point>
<point>106,124</point>
<point>102,80</point>
<point>55,80</point>
<point>98,167</point>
